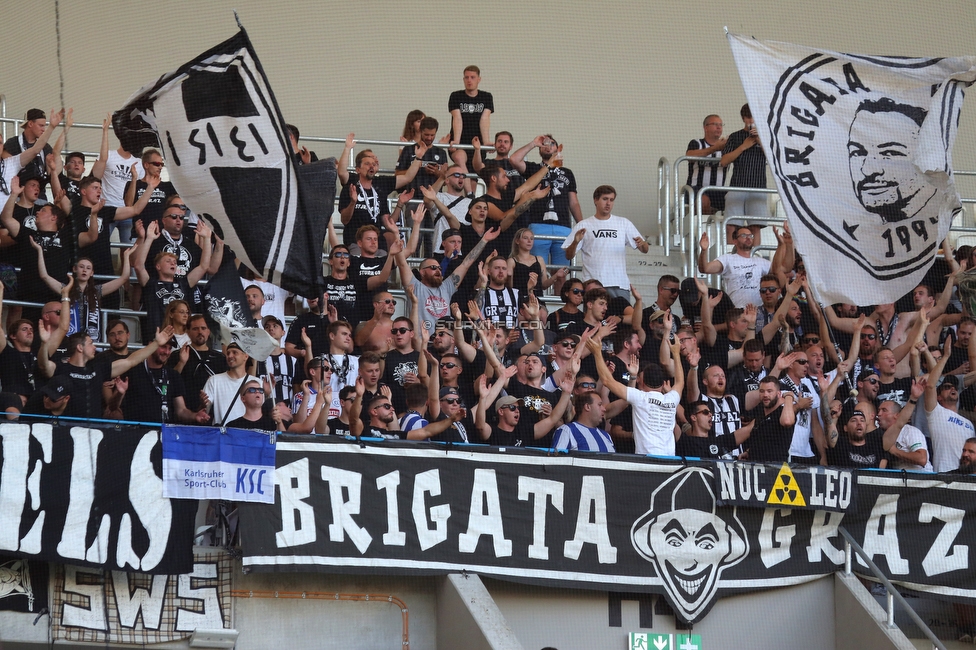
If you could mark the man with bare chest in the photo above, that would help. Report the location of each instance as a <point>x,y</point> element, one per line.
<point>373,335</point>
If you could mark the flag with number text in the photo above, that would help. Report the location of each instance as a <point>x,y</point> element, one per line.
<point>227,152</point>
<point>861,151</point>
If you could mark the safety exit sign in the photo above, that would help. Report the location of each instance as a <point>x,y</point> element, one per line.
<point>653,641</point>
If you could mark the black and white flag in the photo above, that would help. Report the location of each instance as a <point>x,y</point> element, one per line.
<point>861,150</point>
<point>221,130</point>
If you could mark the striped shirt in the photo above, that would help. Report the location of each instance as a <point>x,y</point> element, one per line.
<point>412,420</point>
<point>700,175</point>
<point>749,169</point>
<point>502,306</point>
<point>574,436</point>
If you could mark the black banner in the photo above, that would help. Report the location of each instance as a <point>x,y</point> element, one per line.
<point>23,585</point>
<point>92,497</point>
<point>763,485</point>
<point>593,521</point>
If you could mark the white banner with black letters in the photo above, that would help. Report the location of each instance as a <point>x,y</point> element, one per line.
<point>71,494</point>
<point>592,521</point>
<point>861,150</point>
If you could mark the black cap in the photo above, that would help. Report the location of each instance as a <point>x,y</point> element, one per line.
<point>689,290</point>
<point>450,232</point>
<point>33,114</point>
<point>447,391</point>
<point>949,380</point>
<point>57,387</point>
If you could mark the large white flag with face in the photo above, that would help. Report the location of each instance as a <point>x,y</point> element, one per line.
<point>861,150</point>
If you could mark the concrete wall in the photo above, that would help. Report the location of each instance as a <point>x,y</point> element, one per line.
<point>620,83</point>
<point>799,617</point>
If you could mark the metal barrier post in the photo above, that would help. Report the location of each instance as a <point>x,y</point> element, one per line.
<point>664,204</point>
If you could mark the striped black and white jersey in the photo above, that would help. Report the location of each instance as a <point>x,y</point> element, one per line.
<point>502,306</point>
<point>700,175</point>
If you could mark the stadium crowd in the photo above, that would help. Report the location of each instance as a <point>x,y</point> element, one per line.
<point>749,372</point>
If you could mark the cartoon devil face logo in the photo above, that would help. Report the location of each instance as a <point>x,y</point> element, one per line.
<point>688,541</point>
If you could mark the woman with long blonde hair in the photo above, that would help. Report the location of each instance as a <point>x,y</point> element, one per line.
<point>523,265</point>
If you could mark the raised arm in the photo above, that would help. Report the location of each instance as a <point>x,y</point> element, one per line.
<point>138,259</point>
<point>98,168</point>
<point>518,156</point>
<point>431,200</point>
<point>376,281</point>
<point>121,366</point>
<point>891,433</point>
<point>704,266</point>
<point>53,284</point>
<point>603,371</point>
<point>932,380</point>
<point>206,250</point>
<point>342,163</point>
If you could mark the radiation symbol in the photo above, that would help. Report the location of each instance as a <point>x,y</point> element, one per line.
<point>785,491</point>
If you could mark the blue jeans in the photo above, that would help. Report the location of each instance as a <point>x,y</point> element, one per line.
<point>125,230</point>
<point>550,251</point>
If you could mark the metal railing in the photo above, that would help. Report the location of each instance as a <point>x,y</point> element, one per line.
<point>851,547</point>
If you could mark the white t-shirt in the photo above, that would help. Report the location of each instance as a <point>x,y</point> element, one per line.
<point>911,439</point>
<point>9,167</point>
<point>800,445</point>
<point>118,172</point>
<point>460,212</point>
<point>222,389</point>
<point>654,415</point>
<point>602,249</point>
<point>740,278</point>
<point>949,431</point>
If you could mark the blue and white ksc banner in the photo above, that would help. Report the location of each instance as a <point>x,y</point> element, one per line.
<point>861,150</point>
<point>204,463</point>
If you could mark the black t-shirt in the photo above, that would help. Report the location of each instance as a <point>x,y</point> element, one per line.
<point>897,391</point>
<point>339,428</point>
<point>71,187</point>
<point>143,400</point>
<point>316,328</point>
<point>100,251</point>
<point>86,391</point>
<point>371,205</point>
<point>469,375</point>
<point>377,432</point>
<point>423,178</point>
<point>469,239</point>
<point>530,405</point>
<point>361,269</point>
<point>471,109</point>
<point>461,431</point>
<point>870,454</point>
<point>197,370</point>
<point>18,370</point>
<point>554,208</point>
<point>770,440</point>
<point>57,247</point>
<point>559,320</point>
<point>515,181</point>
<point>399,364</point>
<point>708,447</point>
<point>264,423</point>
<point>342,295</point>
<point>156,295</point>
<point>522,436</point>
<point>154,209</point>
<point>185,248</point>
